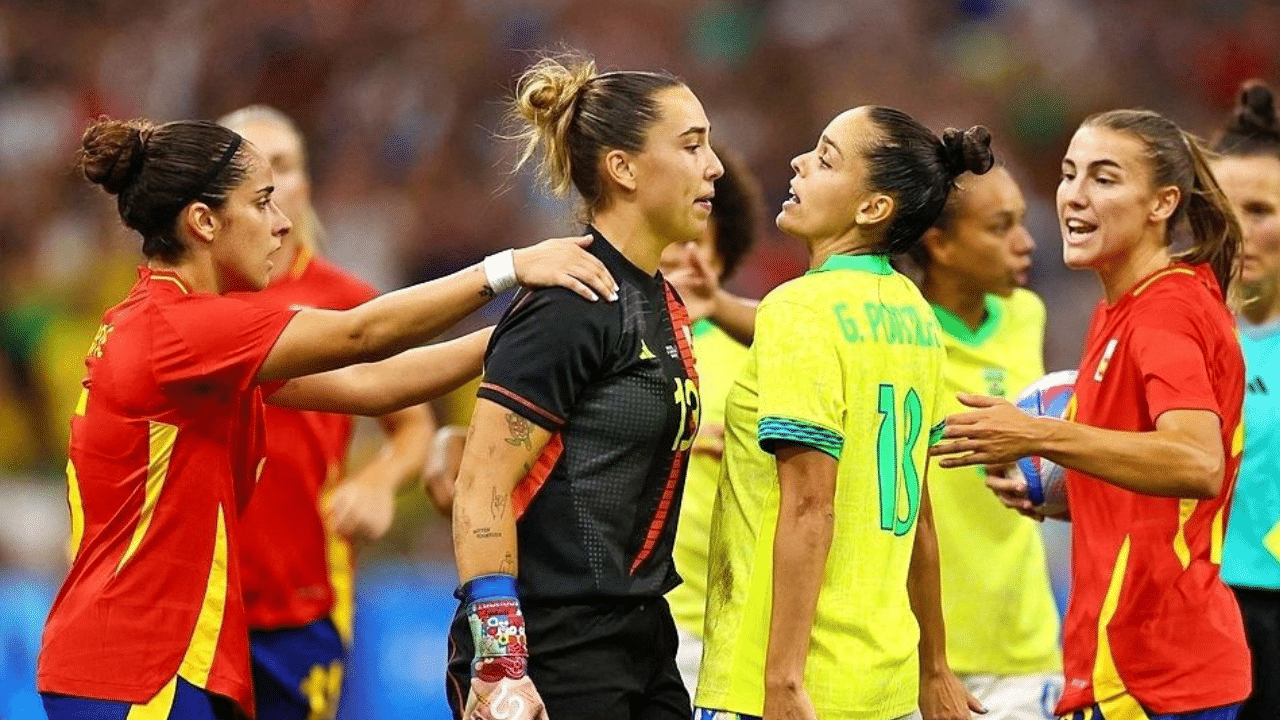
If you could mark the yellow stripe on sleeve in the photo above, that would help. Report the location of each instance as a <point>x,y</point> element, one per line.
<point>1186,506</point>
<point>158,707</point>
<point>76,506</point>
<point>1215,537</point>
<point>163,436</point>
<point>198,661</point>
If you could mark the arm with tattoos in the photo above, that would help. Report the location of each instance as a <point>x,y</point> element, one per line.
<point>501,448</point>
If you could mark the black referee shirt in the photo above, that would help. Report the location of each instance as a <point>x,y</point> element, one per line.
<point>616,385</point>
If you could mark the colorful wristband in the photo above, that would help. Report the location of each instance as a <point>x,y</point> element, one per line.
<point>497,628</point>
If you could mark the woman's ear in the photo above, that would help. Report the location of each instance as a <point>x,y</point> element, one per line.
<point>875,209</point>
<point>1165,203</point>
<point>200,222</point>
<point>619,169</point>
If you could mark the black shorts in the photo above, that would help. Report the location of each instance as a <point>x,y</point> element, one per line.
<point>613,660</point>
<point>1261,611</point>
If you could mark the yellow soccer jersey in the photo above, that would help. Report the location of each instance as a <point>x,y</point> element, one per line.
<point>720,359</point>
<point>999,609</point>
<point>847,359</point>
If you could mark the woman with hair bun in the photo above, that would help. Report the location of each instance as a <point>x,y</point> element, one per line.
<point>167,438</point>
<point>297,563</point>
<point>566,500</point>
<point>1248,169</point>
<point>823,589</point>
<point>1152,452</point>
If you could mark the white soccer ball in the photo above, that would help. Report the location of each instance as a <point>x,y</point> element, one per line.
<point>1046,480</point>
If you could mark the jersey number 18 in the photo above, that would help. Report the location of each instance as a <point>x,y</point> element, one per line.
<point>891,445</point>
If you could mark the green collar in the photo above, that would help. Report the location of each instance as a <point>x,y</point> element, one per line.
<point>956,328</point>
<point>876,264</point>
<point>702,327</point>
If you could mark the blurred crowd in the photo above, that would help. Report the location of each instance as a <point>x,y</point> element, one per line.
<point>402,102</point>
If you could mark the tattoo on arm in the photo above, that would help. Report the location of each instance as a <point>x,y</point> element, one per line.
<point>487,292</point>
<point>508,565</point>
<point>520,430</point>
<point>497,504</point>
<point>485,532</point>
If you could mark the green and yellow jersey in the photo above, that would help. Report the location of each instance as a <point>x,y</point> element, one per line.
<point>719,360</point>
<point>848,360</point>
<point>999,608</point>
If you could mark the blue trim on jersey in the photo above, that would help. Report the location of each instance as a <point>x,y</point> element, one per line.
<point>771,430</point>
<point>1255,507</point>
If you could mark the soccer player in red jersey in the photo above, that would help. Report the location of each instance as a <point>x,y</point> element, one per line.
<point>1154,445</point>
<point>296,564</point>
<point>167,438</point>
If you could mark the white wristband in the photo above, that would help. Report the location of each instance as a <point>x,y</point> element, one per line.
<point>500,271</point>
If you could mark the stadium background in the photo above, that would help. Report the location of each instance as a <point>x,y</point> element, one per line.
<point>401,102</point>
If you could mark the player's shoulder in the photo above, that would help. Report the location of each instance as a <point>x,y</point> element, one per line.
<point>807,291</point>
<point>557,307</point>
<point>1178,295</point>
<point>322,272</point>
<point>1179,284</point>
<point>1023,303</point>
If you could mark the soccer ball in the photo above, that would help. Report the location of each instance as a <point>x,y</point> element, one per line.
<point>1046,480</point>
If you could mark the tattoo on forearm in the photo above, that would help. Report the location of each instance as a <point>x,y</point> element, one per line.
<point>497,504</point>
<point>486,532</point>
<point>508,565</point>
<point>487,292</point>
<point>521,431</point>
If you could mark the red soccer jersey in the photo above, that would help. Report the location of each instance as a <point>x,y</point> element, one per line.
<point>284,549</point>
<point>166,445</point>
<point>1149,615</point>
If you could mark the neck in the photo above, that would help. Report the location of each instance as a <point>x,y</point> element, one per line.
<point>1262,303</point>
<point>196,271</point>
<point>1121,275</point>
<point>632,237</point>
<point>821,250</point>
<point>956,297</point>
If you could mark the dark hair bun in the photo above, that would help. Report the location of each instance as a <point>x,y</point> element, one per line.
<point>1256,113</point>
<point>967,150</point>
<point>112,152</point>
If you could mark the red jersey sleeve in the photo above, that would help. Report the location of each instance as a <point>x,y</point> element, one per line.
<point>220,342</point>
<point>1172,354</point>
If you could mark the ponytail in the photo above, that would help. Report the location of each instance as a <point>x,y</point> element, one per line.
<point>1215,230</point>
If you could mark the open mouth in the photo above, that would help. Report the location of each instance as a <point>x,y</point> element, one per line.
<point>792,198</point>
<point>705,202</point>
<point>1078,230</point>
